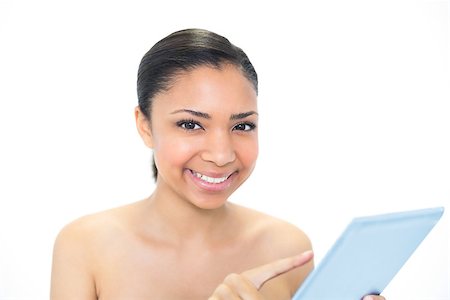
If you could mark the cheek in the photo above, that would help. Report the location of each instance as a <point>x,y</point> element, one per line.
<point>248,152</point>
<point>173,152</point>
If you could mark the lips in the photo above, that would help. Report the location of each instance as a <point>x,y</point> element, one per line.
<point>210,179</point>
<point>211,182</point>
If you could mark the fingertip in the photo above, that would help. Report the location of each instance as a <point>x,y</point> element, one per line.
<point>308,253</point>
<point>304,257</point>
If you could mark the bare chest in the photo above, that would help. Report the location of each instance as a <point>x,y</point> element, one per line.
<point>137,272</point>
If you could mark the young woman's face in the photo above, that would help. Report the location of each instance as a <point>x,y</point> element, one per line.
<point>204,135</point>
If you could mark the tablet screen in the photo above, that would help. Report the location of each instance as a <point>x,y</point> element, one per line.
<point>368,254</point>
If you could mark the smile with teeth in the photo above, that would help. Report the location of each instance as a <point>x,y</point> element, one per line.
<point>210,179</point>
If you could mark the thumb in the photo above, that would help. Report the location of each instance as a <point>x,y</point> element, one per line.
<point>258,276</point>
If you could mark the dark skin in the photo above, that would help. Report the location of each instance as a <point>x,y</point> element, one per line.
<point>186,241</point>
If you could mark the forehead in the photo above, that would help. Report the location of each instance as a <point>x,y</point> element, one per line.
<point>210,90</point>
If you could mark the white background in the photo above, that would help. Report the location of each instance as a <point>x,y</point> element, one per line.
<point>354,119</point>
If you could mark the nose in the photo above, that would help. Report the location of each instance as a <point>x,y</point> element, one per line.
<point>219,149</point>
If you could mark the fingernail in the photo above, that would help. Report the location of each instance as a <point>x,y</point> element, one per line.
<point>308,253</point>
<point>368,298</point>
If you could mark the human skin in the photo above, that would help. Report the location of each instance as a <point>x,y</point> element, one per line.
<point>186,241</point>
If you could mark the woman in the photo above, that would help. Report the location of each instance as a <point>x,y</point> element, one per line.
<point>198,112</point>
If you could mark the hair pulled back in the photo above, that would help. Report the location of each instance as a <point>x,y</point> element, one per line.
<point>183,51</point>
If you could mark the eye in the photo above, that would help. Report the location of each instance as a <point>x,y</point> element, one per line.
<point>244,126</point>
<point>189,125</point>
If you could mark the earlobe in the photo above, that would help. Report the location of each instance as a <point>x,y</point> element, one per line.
<point>143,127</point>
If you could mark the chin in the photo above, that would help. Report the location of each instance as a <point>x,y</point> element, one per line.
<point>210,203</point>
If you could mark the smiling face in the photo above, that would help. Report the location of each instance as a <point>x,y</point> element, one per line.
<point>203,133</point>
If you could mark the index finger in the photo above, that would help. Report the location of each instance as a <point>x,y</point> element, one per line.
<point>258,276</point>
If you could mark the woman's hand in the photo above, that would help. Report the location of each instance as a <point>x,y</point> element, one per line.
<point>373,297</point>
<point>247,284</point>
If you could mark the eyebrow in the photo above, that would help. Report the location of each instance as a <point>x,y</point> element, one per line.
<point>243,115</point>
<point>193,112</point>
<point>208,116</point>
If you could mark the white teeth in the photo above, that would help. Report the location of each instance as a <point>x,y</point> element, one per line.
<point>210,179</point>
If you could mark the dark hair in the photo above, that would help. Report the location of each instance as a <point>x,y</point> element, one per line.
<point>183,51</point>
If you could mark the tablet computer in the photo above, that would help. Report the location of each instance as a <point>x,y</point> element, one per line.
<point>367,255</point>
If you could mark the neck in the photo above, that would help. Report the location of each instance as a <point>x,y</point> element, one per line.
<point>182,221</point>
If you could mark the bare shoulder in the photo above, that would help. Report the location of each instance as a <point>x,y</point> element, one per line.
<point>87,235</point>
<point>278,237</point>
<point>275,239</point>
<point>76,250</point>
<point>87,229</point>
<point>79,237</point>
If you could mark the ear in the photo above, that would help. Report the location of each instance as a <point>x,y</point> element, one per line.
<point>143,127</point>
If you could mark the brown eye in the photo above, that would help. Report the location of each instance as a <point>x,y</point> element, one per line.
<point>189,125</point>
<point>244,127</point>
